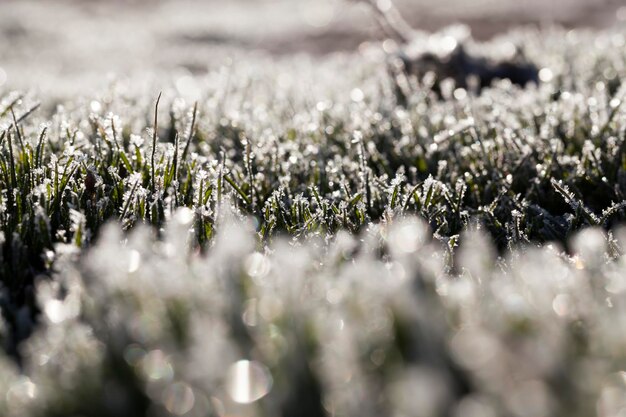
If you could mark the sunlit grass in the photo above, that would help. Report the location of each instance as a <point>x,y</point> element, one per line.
<point>267,248</point>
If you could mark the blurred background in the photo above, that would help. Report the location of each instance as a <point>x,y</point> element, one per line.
<point>45,43</point>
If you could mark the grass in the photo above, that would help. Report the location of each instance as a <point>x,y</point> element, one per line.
<point>502,165</point>
<point>307,156</point>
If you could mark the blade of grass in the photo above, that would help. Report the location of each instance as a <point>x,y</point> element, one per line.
<point>154,141</point>
<point>191,132</point>
<point>233,184</point>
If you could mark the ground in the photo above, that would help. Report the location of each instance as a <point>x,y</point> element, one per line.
<point>100,38</point>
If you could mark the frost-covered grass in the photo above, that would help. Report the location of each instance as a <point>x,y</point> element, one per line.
<point>340,299</point>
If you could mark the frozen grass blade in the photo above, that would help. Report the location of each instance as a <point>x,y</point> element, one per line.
<point>154,142</point>
<point>191,134</point>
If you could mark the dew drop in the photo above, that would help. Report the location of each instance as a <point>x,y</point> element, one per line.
<point>156,366</point>
<point>55,311</point>
<point>178,398</point>
<point>460,94</point>
<point>95,106</point>
<point>357,95</point>
<point>248,381</point>
<point>562,305</point>
<point>545,75</point>
<point>257,265</point>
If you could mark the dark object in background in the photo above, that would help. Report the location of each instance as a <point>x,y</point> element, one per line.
<point>446,62</point>
<point>460,66</point>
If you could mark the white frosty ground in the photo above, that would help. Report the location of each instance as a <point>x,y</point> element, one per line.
<point>73,46</point>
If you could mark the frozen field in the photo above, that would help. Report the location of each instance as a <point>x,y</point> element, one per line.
<point>249,209</point>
